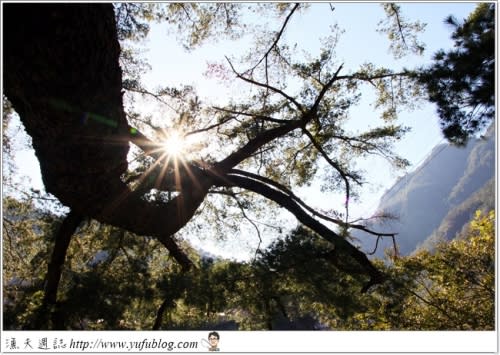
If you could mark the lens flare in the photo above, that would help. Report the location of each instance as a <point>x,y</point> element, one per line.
<point>174,144</point>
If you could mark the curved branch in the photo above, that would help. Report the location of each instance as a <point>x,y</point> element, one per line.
<point>209,127</point>
<point>253,115</point>
<point>273,133</point>
<point>144,92</point>
<point>177,253</point>
<point>369,78</point>
<point>286,202</point>
<point>324,90</point>
<point>290,193</point>
<point>253,145</point>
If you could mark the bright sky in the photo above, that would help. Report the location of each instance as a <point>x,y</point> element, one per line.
<point>360,43</point>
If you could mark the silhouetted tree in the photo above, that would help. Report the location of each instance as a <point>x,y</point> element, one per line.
<point>462,81</point>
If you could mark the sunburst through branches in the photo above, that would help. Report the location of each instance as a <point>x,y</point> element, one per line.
<point>175,144</point>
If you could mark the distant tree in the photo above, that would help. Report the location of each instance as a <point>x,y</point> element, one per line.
<point>114,280</point>
<point>299,282</point>
<point>462,81</point>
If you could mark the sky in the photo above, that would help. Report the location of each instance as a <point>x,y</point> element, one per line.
<point>360,43</point>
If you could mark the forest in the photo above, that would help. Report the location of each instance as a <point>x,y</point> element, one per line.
<point>106,245</point>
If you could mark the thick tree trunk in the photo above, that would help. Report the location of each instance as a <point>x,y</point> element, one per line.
<point>62,75</point>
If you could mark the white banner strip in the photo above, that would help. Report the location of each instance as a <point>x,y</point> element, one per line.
<point>248,342</point>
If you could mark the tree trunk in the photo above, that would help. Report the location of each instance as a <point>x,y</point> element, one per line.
<point>166,304</point>
<point>62,240</point>
<point>62,75</point>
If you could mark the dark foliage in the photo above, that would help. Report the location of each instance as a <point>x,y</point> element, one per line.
<point>462,81</point>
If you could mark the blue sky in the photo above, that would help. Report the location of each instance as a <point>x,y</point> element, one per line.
<point>172,65</point>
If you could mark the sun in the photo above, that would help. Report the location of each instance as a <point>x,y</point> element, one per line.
<point>174,144</point>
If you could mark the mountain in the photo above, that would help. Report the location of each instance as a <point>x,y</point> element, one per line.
<point>437,199</point>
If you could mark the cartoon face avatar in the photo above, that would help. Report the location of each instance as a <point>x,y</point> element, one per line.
<point>213,339</point>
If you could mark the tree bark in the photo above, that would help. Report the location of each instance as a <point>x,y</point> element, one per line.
<point>166,304</point>
<point>62,75</point>
<point>62,240</point>
<point>63,79</point>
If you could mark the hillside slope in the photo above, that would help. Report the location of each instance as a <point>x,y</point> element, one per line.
<point>439,197</point>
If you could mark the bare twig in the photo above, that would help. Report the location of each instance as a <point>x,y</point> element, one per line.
<point>276,40</point>
<point>253,115</point>
<point>369,78</point>
<point>323,91</point>
<point>265,86</point>
<point>158,97</point>
<point>210,127</point>
<point>252,222</point>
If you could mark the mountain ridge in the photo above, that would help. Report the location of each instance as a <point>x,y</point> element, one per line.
<point>437,198</point>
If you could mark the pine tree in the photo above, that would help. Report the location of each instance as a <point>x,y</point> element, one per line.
<point>462,81</point>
